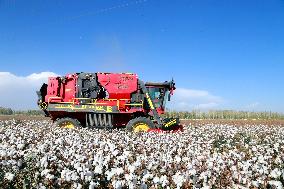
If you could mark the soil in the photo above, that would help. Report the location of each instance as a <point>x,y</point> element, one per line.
<point>239,122</point>
<point>23,117</point>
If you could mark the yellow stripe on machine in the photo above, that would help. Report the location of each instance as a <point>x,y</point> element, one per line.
<point>171,123</point>
<point>150,101</point>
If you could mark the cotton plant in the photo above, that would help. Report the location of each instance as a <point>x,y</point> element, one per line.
<point>203,156</point>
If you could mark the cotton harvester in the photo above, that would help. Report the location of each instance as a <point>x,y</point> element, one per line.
<point>107,100</point>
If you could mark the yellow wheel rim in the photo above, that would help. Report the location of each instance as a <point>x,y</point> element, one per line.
<point>67,125</point>
<point>43,105</point>
<point>141,127</point>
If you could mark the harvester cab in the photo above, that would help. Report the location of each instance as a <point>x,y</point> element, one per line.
<point>160,93</point>
<point>107,100</point>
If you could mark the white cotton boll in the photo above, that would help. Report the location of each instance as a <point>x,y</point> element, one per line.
<point>10,153</point>
<point>210,165</point>
<point>276,146</point>
<point>92,185</point>
<point>82,176</point>
<point>3,153</point>
<point>98,170</point>
<point>206,187</point>
<point>275,173</point>
<point>185,159</point>
<point>117,184</point>
<point>110,173</point>
<point>50,176</point>
<point>20,146</point>
<point>9,176</point>
<point>115,152</point>
<point>177,159</point>
<point>68,177</point>
<point>244,180</point>
<point>53,158</point>
<point>19,163</point>
<point>203,175</point>
<point>45,172</point>
<point>149,167</point>
<point>131,185</point>
<point>146,177</point>
<point>164,180</point>
<point>122,158</point>
<point>43,162</point>
<point>131,168</point>
<point>5,162</point>
<point>137,163</point>
<point>156,180</point>
<point>275,183</point>
<point>88,178</point>
<point>75,185</point>
<point>178,179</point>
<point>278,160</point>
<point>255,183</point>
<point>79,186</point>
<point>59,141</point>
<point>119,171</point>
<point>126,153</point>
<point>189,166</point>
<point>37,174</point>
<point>63,172</point>
<point>261,171</point>
<point>261,159</point>
<point>42,186</point>
<point>128,177</point>
<point>192,172</point>
<point>76,165</point>
<point>105,163</point>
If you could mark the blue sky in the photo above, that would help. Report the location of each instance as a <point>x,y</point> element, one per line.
<point>225,54</point>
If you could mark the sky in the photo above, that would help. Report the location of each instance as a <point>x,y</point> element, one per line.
<point>225,54</point>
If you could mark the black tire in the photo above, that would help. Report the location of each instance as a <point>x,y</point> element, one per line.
<point>61,122</point>
<point>145,122</point>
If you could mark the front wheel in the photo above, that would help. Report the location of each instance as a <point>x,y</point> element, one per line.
<point>68,123</point>
<point>140,124</point>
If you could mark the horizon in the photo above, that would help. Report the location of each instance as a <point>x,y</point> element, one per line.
<point>225,55</point>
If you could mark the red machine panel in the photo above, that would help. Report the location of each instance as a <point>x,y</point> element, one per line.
<point>52,88</point>
<point>68,88</point>
<point>119,85</point>
<point>59,90</point>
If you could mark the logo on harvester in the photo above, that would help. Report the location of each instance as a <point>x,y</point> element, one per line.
<point>174,121</point>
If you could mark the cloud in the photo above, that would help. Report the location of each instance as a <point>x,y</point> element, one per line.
<point>252,106</point>
<point>189,99</point>
<point>19,92</point>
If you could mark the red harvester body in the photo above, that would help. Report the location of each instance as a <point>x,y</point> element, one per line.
<point>106,100</point>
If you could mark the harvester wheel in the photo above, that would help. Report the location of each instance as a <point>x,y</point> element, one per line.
<point>68,123</point>
<point>140,124</point>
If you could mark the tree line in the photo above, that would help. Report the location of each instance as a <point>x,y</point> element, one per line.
<point>10,111</point>
<point>224,114</point>
<point>195,114</point>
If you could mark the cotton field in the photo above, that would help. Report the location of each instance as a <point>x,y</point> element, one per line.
<point>35,154</point>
